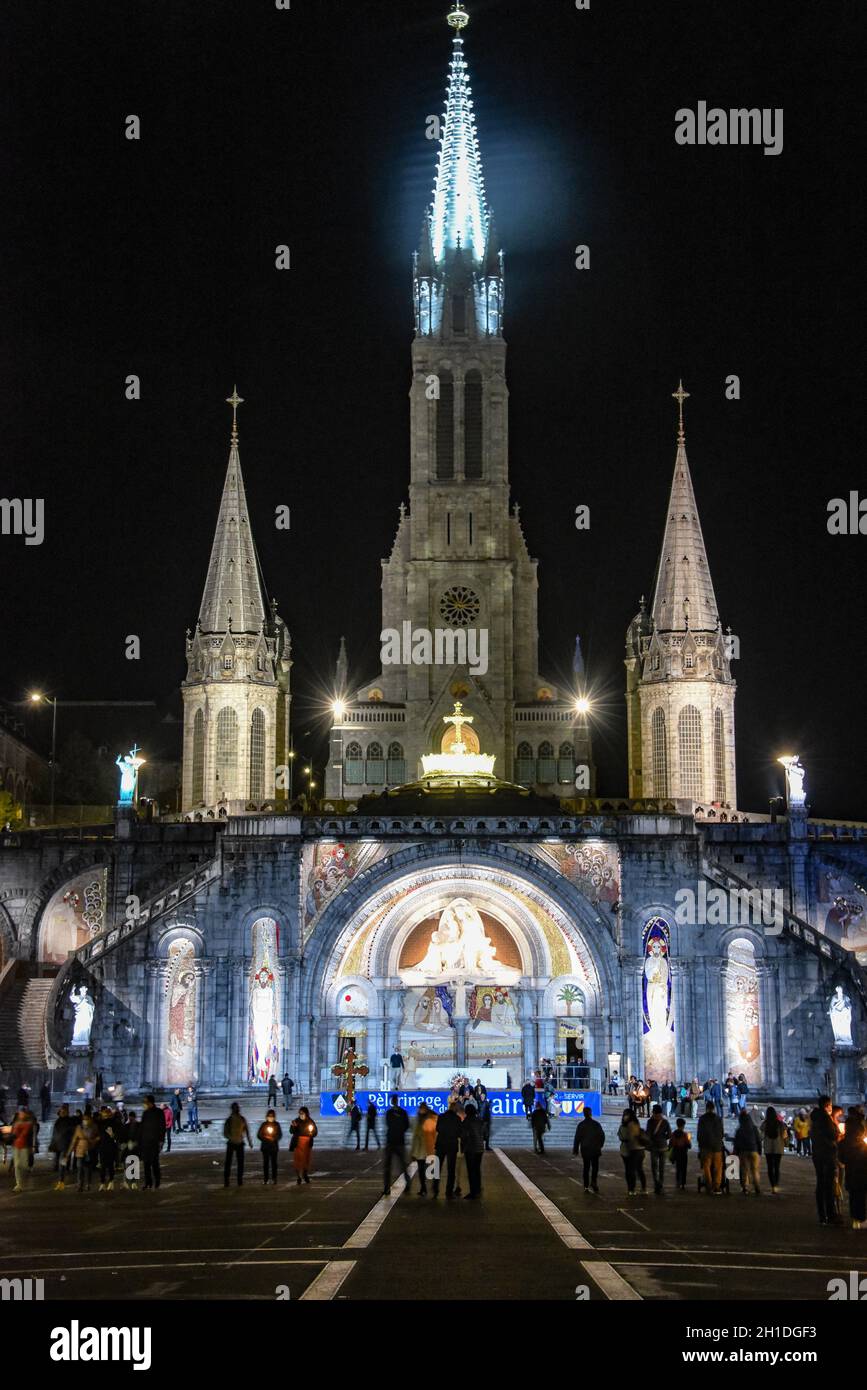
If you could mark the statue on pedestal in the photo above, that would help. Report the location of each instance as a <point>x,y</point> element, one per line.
<point>129,765</point>
<point>840,1014</point>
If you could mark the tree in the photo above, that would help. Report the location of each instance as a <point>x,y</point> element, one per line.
<point>569,995</point>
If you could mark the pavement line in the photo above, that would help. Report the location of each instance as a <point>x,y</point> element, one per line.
<point>552,1214</point>
<point>630,1217</point>
<point>161,1264</point>
<point>612,1284</point>
<point>328,1281</point>
<point>759,1269</point>
<point>364,1233</point>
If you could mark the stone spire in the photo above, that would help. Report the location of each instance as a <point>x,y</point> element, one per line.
<point>683,595</point>
<point>459,215</point>
<point>234,598</point>
<point>342,669</point>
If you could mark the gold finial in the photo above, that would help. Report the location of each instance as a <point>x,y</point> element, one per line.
<point>234,401</point>
<point>458,719</point>
<point>458,19</point>
<point>680,396</point>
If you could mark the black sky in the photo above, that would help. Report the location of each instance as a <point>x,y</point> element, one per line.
<point>307,127</point>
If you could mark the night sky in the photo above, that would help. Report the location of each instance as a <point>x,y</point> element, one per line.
<point>307,127</point>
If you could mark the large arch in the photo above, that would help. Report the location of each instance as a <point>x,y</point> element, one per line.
<point>558,935</point>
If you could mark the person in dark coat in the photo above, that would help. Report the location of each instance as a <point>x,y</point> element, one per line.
<point>853,1155</point>
<point>371,1124</point>
<point>658,1131</point>
<point>396,1126</point>
<point>287,1086</point>
<point>177,1105</point>
<point>355,1125</point>
<point>448,1139</point>
<point>61,1138</point>
<point>528,1095</point>
<point>152,1136</point>
<point>269,1135</point>
<point>747,1144</point>
<point>45,1100</point>
<point>272,1091</point>
<point>485,1116</point>
<point>540,1122</point>
<point>824,1138</point>
<point>589,1142</point>
<point>473,1145</point>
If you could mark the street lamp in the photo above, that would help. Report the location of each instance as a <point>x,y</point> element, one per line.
<point>37,699</point>
<point>582,705</point>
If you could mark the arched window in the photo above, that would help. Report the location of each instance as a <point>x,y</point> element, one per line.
<point>226,761</point>
<point>743,1011</point>
<point>198,787</point>
<point>525,766</point>
<point>445,428</point>
<point>546,767</point>
<point>566,763</point>
<point>396,770</point>
<point>689,742</point>
<point>473,453</point>
<point>719,757</point>
<point>659,740</point>
<point>257,755</point>
<point>375,769</point>
<point>353,763</point>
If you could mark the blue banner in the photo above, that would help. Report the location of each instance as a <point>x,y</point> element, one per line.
<point>571,1104</point>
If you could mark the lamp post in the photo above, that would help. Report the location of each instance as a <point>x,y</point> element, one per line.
<point>37,699</point>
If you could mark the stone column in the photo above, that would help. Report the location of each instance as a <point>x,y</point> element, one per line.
<point>204,1058</point>
<point>153,1019</point>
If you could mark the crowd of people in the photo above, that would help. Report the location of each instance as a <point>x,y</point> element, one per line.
<point>835,1141</point>
<point>684,1099</point>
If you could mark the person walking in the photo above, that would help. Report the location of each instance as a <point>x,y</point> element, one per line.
<point>528,1094</point>
<point>23,1136</point>
<point>801,1126</point>
<point>272,1092</point>
<point>589,1142</point>
<point>423,1144</point>
<point>130,1150</point>
<point>473,1145</point>
<point>152,1136</point>
<point>448,1138</point>
<point>106,1149</point>
<point>61,1138</point>
<point>235,1132</point>
<point>539,1121</point>
<point>824,1140</point>
<point>84,1140</point>
<point>485,1117</point>
<point>775,1138</point>
<point>287,1086</point>
<point>303,1131</point>
<point>193,1110</point>
<point>748,1147</point>
<point>372,1114</point>
<point>355,1125</point>
<point>658,1131</point>
<point>395,1063</point>
<point>396,1126</point>
<point>45,1100</point>
<point>711,1149</point>
<point>680,1147</point>
<point>168,1121</point>
<point>269,1135</point>
<point>632,1151</point>
<point>177,1105</point>
<point>853,1155</point>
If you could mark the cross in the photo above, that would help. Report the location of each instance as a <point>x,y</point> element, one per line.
<point>458,19</point>
<point>458,720</point>
<point>234,401</point>
<point>680,396</point>
<point>134,751</point>
<point>348,1071</point>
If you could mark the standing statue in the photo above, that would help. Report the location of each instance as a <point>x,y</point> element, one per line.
<point>83,1006</point>
<point>840,1014</point>
<point>794,781</point>
<point>129,765</point>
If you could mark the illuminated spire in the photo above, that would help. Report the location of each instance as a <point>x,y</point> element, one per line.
<point>459,215</point>
<point>234,595</point>
<point>683,595</point>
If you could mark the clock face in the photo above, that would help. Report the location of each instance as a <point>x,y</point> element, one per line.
<point>459,606</point>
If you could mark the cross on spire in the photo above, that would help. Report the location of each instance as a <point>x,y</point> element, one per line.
<point>680,396</point>
<point>458,18</point>
<point>234,401</point>
<point>458,719</point>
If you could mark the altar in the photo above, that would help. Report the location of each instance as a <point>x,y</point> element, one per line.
<point>439,1078</point>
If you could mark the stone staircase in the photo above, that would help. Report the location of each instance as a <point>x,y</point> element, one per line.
<point>22,1024</point>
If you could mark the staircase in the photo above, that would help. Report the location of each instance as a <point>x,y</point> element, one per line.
<point>155,907</point>
<point>22,1023</point>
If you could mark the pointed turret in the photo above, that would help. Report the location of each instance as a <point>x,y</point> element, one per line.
<point>459,215</point>
<point>234,594</point>
<point>683,596</point>
<point>679,688</point>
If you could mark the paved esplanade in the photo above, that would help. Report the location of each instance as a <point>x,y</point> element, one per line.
<point>534,1235</point>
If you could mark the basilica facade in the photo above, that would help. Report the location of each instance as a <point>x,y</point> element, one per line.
<point>460,894</point>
